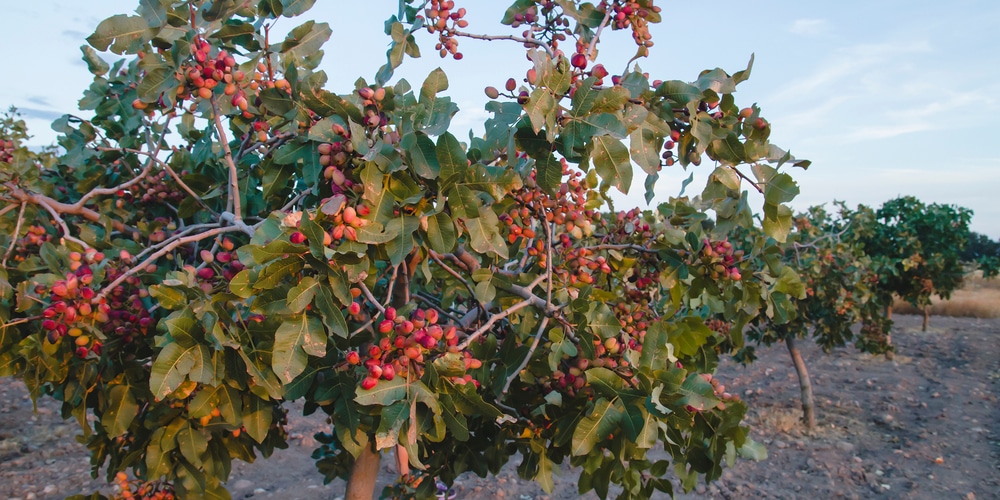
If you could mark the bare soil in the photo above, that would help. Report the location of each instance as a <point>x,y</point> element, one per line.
<point>925,425</point>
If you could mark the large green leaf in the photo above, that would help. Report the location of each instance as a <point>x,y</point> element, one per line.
<point>451,157</point>
<point>441,233</point>
<point>611,159</point>
<point>120,34</point>
<point>257,417</point>
<point>385,393</point>
<point>122,409</point>
<point>172,365</point>
<point>306,39</point>
<point>95,64</point>
<point>294,340</point>
<point>300,295</point>
<point>484,235</point>
<point>595,427</point>
<point>541,109</point>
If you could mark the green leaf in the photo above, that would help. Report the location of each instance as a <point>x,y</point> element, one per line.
<point>777,222</point>
<point>306,39</point>
<point>697,393</point>
<point>193,445</point>
<point>299,296</point>
<point>333,318</point>
<point>156,83</point>
<point>484,235</point>
<point>753,450</point>
<point>595,427</point>
<point>121,410</point>
<point>541,109</point>
<point>293,341</point>
<point>678,92</point>
<point>611,159</point>
<point>441,233</point>
<point>423,157</point>
<point>385,393</point>
<point>689,335</point>
<point>95,64</point>
<point>120,34</point>
<point>451,157</point>
<point>610,100</point>
<point>257,417</point>
<point>790,283</point>
<point>170,368</point>
<point>292,8</point>
<point>602,321</point>
<point>277,271</point>
<point>240,285</point>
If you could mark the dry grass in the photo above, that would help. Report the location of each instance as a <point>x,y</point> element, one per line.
<point>979,298</point>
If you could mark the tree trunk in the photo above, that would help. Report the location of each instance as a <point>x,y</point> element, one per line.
<point>805,385</point>
<point>927,318</point>
<point>361,483</point>
<point>888,336</point>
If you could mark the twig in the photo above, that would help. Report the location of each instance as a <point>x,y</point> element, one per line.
<point>493,319</point>
<point>749,180</point>
<point>593,43</point>
<point>234,187</point>
<point>626,246</point>
<point>457,276</point>
<point>430,302</point>
<point>6,209</point>
<point>298,198</point>
<point>13,237</point>
<point>177,235</point>
<point>371,298</point>
<point>156,255</point>
<point>361,328</point>
<point>490,38</point>
<point>65,227</point>
<point>527,357</point>
<point>165,166</point>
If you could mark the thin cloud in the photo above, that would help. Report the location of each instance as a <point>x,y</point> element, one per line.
<point>39,114</point>
<point>809,27</point>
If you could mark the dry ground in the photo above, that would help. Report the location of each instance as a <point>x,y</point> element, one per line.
<point>926,425</point>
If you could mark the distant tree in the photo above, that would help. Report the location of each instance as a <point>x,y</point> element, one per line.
<point>917,248</point>
<point>983,253</point>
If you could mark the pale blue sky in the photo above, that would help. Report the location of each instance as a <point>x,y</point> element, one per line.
<point>887,97</point>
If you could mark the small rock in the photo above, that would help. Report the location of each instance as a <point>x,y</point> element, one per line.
<point>242,484</point>
<point>50,489</point>
<point>258,491</point>
<point>780,444</point>
<point>844,446</point>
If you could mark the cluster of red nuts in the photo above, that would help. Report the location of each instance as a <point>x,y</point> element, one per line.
<point>720,260</point>
<point>224,262</point>
<point>6,151</point>
<point>72,312</point>
<point>630,14</point>
<point>404,344</point>
<point>35,236</point>
<point>444,19</point>
<point>720,392</point>
<point>141,490</point>
<point>155,187</point>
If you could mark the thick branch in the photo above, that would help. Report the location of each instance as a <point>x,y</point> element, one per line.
<point>63,208</point>
<point>492,321</point>
<point>371,298</point>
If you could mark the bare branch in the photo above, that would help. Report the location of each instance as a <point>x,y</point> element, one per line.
<point>527,357</point>
<point>13,237</point>
<point>63,208</point>
<point>62,223</point>
<point>371,298</point>
<point>490,38</point>
<point>160,253</point>
<point>492,321</point>
<point>591,51</point>
<point>749,180</point>
<point>234,187</point>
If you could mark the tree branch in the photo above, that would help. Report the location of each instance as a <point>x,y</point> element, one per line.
<point>13,237</point>
<point>160,253</point>
<point>63,208</point>
<point>490,38</point>
<point>591,51</point>
<point>371,298</point>
<point>527,357</point>
<point>234,187</point>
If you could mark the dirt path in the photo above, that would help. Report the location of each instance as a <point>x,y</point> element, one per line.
<point>926,425</point>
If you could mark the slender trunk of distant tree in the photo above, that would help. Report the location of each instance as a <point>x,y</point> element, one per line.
<point>805,385</point>
<point>888,336</point>
<point>927,317</point>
